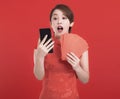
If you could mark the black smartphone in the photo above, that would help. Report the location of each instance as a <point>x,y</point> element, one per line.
<point>43,32</point>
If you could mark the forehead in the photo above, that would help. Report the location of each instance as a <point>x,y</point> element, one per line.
<point>57,12</point>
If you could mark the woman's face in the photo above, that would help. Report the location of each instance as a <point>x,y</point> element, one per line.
<point>60,23</point>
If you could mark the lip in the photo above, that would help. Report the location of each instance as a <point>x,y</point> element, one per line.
<point>60,29</point>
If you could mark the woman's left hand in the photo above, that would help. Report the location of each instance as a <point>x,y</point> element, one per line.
<point>73,60</point>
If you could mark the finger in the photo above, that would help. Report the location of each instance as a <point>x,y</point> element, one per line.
<point>50,48</point>
<point>71,56</point>
<point>74,56</point>
<point>70,61</point>
<point>48,42</point>
<point>49,45</point>
<point>38,43</point>
<point>44,39</point>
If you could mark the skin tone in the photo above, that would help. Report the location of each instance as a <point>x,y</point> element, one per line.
<point>60,25</point>
<point>59,20</point>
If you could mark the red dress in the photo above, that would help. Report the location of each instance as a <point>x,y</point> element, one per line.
<point>60,79</point>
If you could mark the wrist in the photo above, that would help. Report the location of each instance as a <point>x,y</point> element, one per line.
<point>76,68</point>
<point>40,58</point>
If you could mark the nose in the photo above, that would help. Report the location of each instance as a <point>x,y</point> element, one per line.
<point>59,21</point>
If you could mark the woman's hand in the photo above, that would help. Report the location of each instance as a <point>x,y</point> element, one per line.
<point>44,47</point>
<point>80,66</point>
<point>73,60</point>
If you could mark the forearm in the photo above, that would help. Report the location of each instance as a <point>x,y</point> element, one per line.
<point>39,54</point>
<point>39,71</point>
<point>82,75</point>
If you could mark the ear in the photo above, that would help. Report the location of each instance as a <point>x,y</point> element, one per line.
<point>71,24</point>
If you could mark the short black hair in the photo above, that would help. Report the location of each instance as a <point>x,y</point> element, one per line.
<point>66,10</point>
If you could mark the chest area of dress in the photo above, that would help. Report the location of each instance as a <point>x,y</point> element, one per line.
<point>54,61</point>
<point>54,57</point>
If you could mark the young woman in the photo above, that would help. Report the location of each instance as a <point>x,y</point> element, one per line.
<point>60,76</point>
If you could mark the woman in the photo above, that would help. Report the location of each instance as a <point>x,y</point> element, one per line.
<point>59,76</point>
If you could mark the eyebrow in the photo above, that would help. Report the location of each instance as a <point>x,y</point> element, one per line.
<point>55,14</point>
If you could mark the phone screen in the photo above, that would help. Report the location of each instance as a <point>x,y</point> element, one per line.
<point>43,32</point>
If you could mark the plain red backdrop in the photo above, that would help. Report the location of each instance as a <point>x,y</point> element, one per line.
<point>97,21</point>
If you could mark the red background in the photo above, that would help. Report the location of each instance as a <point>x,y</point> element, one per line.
<point>96,21</point>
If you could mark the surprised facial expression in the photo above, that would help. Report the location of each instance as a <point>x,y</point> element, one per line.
<point>60,23</point>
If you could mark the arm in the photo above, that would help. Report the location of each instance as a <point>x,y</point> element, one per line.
<point>81,66</point>
<point>39,56</point>
<point>38,70</point>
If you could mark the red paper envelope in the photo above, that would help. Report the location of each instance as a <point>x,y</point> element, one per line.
<point>72,43</point>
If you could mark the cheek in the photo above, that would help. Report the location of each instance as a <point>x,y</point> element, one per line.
<point>53,26</point>
<point>67,24</point>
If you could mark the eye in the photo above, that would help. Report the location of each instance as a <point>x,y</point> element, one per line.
<point>54,18</point>
<point>64,17</point>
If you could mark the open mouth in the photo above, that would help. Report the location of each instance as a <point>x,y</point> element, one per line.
<point>60,29</point>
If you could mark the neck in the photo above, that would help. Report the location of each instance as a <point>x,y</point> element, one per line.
<point>57,37</point>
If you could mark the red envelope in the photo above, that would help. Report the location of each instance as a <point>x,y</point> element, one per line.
<point>72,43</point>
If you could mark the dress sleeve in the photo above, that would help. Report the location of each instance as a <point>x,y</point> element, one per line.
<point>83,45</point>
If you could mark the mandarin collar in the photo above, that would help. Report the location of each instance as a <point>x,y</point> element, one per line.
<point>57,41</point>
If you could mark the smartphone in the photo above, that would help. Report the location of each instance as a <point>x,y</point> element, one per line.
<point>43,32</point>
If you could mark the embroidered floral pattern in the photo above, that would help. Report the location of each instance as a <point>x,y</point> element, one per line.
<point>60,79</point>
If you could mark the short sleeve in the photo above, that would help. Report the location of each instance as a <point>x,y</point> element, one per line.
<point>72,43</point>
<point>83,45</point>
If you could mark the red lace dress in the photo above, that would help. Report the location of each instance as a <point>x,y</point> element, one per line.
<point>60,79</point>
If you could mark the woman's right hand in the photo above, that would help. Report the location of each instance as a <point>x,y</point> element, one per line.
<point>44,47</point>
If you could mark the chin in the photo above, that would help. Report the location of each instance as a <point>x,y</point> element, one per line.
<point>59,34</point>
